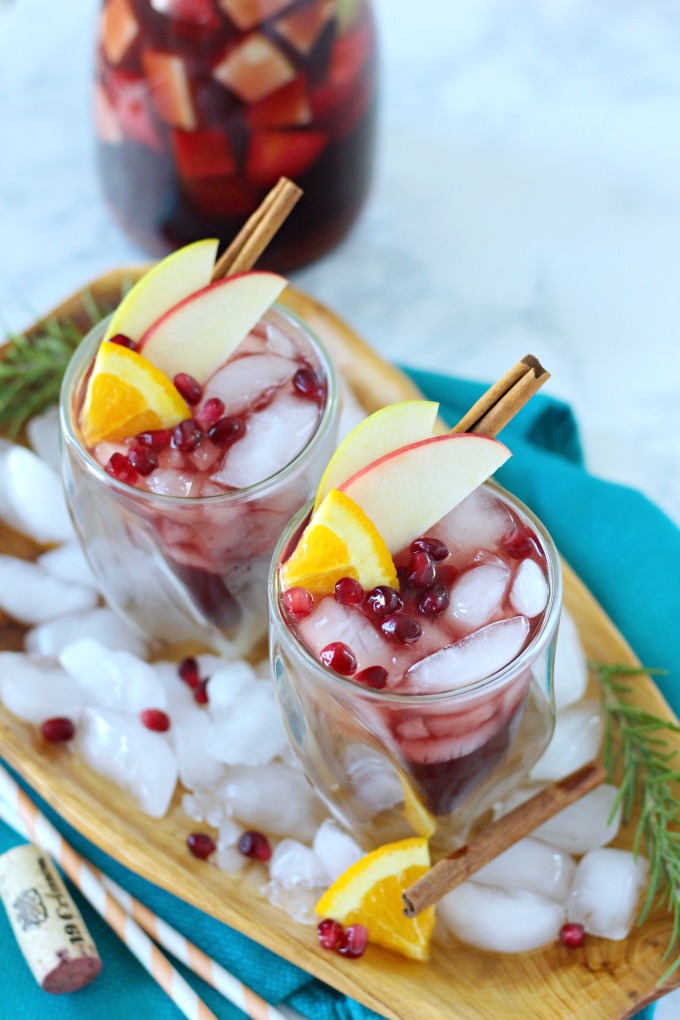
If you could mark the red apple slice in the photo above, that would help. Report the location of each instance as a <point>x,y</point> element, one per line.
<point>274,154</point>
<point>286,107</point>
<point>119,29</point>
<point>129,98</point>
<point>248,13</point>
<point>169,87</point>
<point>303,27</point>
<point>407,491</point>
<point>254,69</point>
<point>203,153</point>
<point>199,334</point>
<point>106,123</point>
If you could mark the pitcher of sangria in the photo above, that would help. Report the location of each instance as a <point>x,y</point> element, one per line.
<point>201,105</point>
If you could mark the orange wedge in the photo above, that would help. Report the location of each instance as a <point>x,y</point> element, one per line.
<point>339,541</point>
<point>370,891</point>
<point>126,395</point>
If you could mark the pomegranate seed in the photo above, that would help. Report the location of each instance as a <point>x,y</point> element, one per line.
<point>120,467</point>
<point>401,628</point>
<point>306,383</point>
<point>201,692</point>
<point>353,941</point>
<point>435,549</point>
<point>143,458</point>
<point>123,341</point>
<point>226,431</point>
<point>298,602</point>
<point>421,572</point>
<point>211,412</point>
<point>255,845</point>
<point>187,435</point>
<point>156,720</point>
<point>189,388</point>
<point>572,935</point>
<point>521,543</point>
<point>349,592</point>
<point>188,671</point>
<point>384,601</point>
<point>58,730</point>
<point>201,844</point>
<point>157,439</point>
<point>329,933</point>
<point>372,676</point>
<point>434,600</point>
<point>340,657</point>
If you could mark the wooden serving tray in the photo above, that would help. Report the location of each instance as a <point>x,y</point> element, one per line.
<point>603,981</point>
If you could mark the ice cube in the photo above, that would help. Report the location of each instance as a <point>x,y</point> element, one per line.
<point>332,621</point>
<point>335,850</point>
<point>190,736</point>
<point>31,595</point>
<point>252,733</point>
<point>501,920</point>
<point>169,482</point>
<point>140,761</point>
<point>374,780</point>
<point>474,657</point>
<point>44,436</point>
<point>35,691</point>
<point>575,741</point>
<point>240,383</point>
<point>477,595</point>
<point>206,805</point>
<point>479,522</point>
<point>113,679</point>
<point>297,879</point>
<point>605,892</point>
<point>274,799</point>
<point>584,825</point>
<point>230,859</point>
<point>32,497</point>
<point>529,592</point>
<point>68,563</point>
<point>100,623</point>
<point>571,670</point>
<point>274,437</point>
<point>532,866</point>
<point>226,686</point>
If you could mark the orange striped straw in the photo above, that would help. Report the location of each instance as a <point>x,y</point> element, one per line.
<point>130,919</point>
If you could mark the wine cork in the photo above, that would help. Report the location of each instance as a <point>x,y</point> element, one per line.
<point>46,922</point>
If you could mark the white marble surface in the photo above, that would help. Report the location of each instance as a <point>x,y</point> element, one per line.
<point>527,199</point>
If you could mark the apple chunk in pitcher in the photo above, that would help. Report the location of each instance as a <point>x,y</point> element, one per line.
<point>413,618</point>
<point>195,422</point>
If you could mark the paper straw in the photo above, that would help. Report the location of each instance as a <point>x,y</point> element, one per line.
<point>255,1007</point>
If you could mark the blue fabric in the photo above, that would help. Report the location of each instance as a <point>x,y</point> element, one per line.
<point>626,551</point>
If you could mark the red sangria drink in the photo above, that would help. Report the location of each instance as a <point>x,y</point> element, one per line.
<point>201,105</point>
<point>415,702</point>
<point>188,446</point>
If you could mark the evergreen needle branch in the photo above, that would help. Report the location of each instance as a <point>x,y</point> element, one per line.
<point>637,756</point>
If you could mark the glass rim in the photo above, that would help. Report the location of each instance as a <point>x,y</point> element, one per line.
<point>72,437</point>
<point>349,686</point>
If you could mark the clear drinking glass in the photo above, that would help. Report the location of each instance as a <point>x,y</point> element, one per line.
<point>188,569</point>
<point>351,739</point>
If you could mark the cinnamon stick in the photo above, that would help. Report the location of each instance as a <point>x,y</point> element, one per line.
<point>257,232</point>
<point>451,871</point>
<point>505,398</point>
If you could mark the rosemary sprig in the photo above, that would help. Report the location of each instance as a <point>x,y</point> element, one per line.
<point>637,756</point>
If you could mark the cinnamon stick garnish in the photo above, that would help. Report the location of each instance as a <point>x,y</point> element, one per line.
<point>505,398</point>
<point>257,232</point>
<point>451,871</point>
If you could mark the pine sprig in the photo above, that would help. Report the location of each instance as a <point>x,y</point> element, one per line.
<point>638,757</point>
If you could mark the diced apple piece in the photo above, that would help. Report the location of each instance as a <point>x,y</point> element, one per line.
<point>286,107</point>
<point>199,333</point>
<point>248,13</point>
<point>105,121</point>
<point>128,95</point>
<point>383,432</point>
<point>169,87</point>
<point>350,82</point>
<point>173,279</point>
<point>119,29</point>
<point>195,12</point>
<point>303,27</point>
<point>407,491</point>
<point>203,153</point>
<point>274,154</point>
<point>221,196</point>
<point>254,69</point>
<point>348,14</point>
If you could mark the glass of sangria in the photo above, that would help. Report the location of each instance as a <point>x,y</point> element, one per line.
<point>414,706</point>
<point>179,523</point>
<point>201,105</point>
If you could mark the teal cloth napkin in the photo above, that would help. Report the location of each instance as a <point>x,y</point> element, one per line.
<point>626,551</point>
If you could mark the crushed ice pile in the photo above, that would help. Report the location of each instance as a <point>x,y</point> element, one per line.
<point>231,754</point>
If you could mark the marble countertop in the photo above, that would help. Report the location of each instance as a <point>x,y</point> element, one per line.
<point>527,198</point>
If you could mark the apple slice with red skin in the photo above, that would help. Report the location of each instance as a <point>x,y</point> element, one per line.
<point>168,81</point>
<point>202,331</point>
<point>274,154</point>
<point>119,29</point>
<point>407,491</point>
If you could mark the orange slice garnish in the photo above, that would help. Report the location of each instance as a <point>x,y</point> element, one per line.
<point>370,891</point>
<point>339,541</point>
<point>126,395</point>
